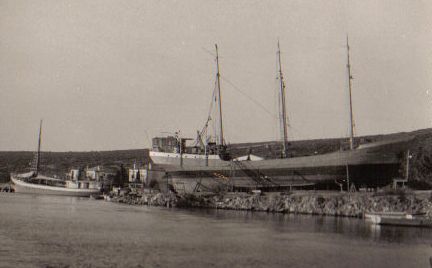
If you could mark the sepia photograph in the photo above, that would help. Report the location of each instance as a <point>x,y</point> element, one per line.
<point>215,133</point>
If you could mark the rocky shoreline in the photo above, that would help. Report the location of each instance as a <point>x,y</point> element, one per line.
<point>315,203</point>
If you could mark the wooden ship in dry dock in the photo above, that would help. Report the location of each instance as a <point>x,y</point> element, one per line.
<point>207,166</point>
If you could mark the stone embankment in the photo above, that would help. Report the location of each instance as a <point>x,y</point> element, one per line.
<point>317,203</point>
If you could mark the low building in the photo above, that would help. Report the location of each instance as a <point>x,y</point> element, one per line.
<point>92,174</point>
<point>74,174</point>
<point>138,174</point>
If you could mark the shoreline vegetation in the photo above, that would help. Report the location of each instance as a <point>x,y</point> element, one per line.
<point>328,203</point>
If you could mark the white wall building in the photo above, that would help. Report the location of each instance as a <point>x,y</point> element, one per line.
<point>74,174</point>
<point>133,174</point>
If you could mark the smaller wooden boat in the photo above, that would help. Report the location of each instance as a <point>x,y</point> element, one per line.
<point>399,219</point>
<point>46,185</point>
<point>35,183</point>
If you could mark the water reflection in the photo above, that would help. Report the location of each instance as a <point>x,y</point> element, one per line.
<point>57,231</point>
<point>352,228</point>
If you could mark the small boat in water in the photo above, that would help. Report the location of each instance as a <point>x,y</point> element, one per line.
<point>398,219</point>
<point>45,185</point>
<point>35,183</point>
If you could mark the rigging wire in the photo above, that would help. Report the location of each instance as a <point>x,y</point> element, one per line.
<point>275,117</point>
<point>249,97</point>
<point>204,130</point>
<point>209,117</point>
<point>208,52</point>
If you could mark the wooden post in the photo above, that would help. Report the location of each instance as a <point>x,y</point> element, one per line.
<point>407,165</point>
<point>347,177</point>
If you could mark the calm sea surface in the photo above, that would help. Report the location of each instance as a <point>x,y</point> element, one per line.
<point>47,231</point>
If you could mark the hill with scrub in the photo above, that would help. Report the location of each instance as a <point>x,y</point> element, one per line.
<point>58,163</point>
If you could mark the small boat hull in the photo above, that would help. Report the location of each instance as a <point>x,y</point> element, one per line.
<point>415,222</point>
<point>398,219</point>
<point>29,188</point>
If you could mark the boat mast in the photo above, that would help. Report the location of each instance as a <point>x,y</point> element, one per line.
<point>38,151</point>
<point>282,113</point>
<point>351,141</point>
<point>219,100</point>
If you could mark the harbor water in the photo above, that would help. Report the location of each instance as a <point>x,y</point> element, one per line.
<point>51,231</point>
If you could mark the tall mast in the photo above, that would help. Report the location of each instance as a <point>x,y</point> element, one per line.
<point>350,98</point>
<point>39,147</point>
<point>282,113</point>
<point>219,100</point>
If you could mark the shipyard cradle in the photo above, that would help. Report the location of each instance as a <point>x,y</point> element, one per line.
<point>207,166</point>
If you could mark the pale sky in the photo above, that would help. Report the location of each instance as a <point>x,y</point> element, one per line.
<point>109,75</point>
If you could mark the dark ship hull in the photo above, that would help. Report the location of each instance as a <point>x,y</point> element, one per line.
<point>374,164</point>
